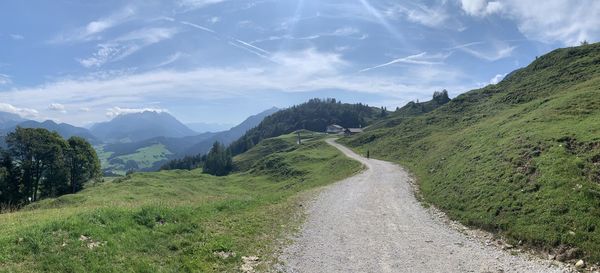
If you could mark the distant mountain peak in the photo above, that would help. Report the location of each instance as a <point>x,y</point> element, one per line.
<point>132,127</point>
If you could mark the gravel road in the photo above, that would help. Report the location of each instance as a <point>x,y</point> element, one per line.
<point>372,222</point>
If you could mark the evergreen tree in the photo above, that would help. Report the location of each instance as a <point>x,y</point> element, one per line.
<point>218,161</point>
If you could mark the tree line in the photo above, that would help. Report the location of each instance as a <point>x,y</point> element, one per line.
<point>40,164</point>
<point>217,162</point>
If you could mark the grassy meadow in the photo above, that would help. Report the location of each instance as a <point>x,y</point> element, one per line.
<point>174,221</point>
<point>521,158</point>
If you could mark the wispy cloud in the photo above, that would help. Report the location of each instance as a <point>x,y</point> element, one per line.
<point>243,45</point>
<point>294,71</point>
<point>23,112</point>
<point>17,37</point>
<point>123,46</point>
<point>57,107</point>
<point>90,31</point>
<point>421,59</point>
<point>187,5</point>
<point>497,52</point>
<point>348,32</point>
<point>5,79</point>
<point>435,16</point>
<point>171,59</point>
<point>116,111</point>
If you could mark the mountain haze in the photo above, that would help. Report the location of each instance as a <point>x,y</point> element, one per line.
<point>203,127</point>
<point>8,120</point>
<point>157,150</point>
<point>140,126</point>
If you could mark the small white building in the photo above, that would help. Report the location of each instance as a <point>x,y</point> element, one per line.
<point>335,129</point>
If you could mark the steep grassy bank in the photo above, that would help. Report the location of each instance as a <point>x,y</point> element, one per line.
<point>521,157</point>
<point>174,221</point>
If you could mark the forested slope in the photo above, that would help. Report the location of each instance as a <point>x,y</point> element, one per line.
<point>314,115</point>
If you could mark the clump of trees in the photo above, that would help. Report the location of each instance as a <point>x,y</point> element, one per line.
<point>441,97</point>
<point>218,161</point>
<point>40,164</point>
<point>186,163</point>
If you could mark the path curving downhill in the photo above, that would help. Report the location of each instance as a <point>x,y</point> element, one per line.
<point>372,222</point>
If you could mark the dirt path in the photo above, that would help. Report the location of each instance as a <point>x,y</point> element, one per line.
<point>372,222</point>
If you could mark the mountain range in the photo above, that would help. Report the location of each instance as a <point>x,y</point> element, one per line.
<point>138,141</point>
<point>140,126</point>
<point>203,127</point>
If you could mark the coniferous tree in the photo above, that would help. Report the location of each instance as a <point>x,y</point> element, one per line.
<point>218,161</point>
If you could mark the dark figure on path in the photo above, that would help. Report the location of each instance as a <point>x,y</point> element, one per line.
<point>368,154</point>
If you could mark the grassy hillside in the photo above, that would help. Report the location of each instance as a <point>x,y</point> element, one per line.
<point>145,159</point>
<point>521,157</point>
<point>174,221</point>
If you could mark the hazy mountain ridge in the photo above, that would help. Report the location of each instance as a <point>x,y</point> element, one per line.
<point>204,127</point>
<point>177,147</point>
<point>140,126</point>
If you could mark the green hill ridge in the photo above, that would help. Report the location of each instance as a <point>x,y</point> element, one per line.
<point>521,157</point>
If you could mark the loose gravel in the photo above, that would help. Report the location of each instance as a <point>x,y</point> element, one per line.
<point>372,222</point>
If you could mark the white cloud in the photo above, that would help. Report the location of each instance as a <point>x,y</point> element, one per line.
<point>23,112</point>
<point>498,78</point>
<point>197,4</point>
<point>435,16</point>
<point>481,7</point>
<point>126,45</point>
<point>294,71</point>
<point>17,36</point>
<point>565,21</point>
<point>422,59</point>
<point>115,111</point>
<point>215,19</point>
<point>92,29</point>
<point>349,32</point>
<point>85,109</point>
<point>494,52</point>
<point>171,59</point>
<point>57,107</point>
<point>5,79</point>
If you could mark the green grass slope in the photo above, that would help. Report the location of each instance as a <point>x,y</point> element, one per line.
<point>173,221</point>
<point>143,159</point>
<point>521,157</point>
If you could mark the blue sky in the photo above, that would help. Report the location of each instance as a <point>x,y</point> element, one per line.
<point>222,60</point>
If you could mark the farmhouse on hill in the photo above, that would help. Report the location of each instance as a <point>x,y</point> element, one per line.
<point>353,131</point>
<point>335,129</point>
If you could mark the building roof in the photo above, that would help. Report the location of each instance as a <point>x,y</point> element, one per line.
<point>355,130</point>
<point>336,126</point>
